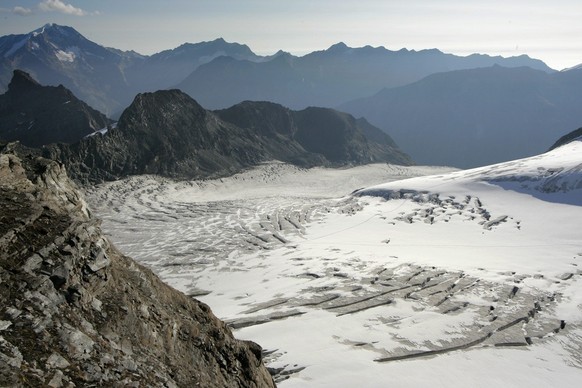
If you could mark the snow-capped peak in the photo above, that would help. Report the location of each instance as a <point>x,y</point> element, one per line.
<point>42,29</point>
<point>61,38</point>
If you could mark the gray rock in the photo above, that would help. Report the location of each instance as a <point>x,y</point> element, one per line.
<point>33,263</point>
<point>101,261</point>
<point>57,380</point>
<point>56,361</point>
<point>78,344</point>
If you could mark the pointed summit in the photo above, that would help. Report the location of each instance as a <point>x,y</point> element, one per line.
<point>56,54</point>
<point>37,115</point>
<point>55,29</point>
<point>22,81</point>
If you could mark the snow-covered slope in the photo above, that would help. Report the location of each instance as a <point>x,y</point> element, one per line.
<point>555,176</point>
<point>466,278</point>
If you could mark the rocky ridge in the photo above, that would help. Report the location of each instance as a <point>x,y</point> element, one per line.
<point>335,137</point>
<point>76,312</point>
<point>168,133</point>
<point>36,115</point>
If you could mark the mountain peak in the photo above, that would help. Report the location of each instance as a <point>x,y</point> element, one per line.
<point>54,29</point>
<point>338,47</point>
<point>42,29</point>
<point>21,80</point>
<point>282,52</point>
<point>37,115</point>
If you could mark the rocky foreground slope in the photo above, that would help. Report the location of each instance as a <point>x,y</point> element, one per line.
<point>74,310</point>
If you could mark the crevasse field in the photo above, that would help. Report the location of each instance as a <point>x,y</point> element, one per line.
<point>425,277</point>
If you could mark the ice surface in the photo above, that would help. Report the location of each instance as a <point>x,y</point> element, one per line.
<point>466,278</point>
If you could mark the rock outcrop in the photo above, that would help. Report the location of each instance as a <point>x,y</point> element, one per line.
<point>37,115</point>
<point>74,311</point>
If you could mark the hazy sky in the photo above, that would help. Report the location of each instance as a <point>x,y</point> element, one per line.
<point>548,30</point>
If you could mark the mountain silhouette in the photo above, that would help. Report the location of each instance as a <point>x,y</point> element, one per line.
<point>37,115</point>
<point>326,78</point>
<point>476,117</point>
<point>220,74</point>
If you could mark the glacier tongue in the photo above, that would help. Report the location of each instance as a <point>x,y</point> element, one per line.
<point>401,284</point>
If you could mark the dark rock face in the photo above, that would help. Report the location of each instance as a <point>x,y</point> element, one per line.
<point>169,134</point>
<point>567,138</point>
<point>37,115</point>
<point>75,310</point>
<point>336,136</point>
<point>165,133</point>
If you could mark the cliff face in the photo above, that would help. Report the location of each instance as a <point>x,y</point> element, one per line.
<point>75,310</point>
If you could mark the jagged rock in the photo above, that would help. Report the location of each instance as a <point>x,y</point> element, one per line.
<point>57,380</point>
<point>76,312</point>
<point>37,115</point>
<point>168,133</point>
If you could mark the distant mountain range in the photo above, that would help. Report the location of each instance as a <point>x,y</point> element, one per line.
<point>106,78</point>
<point>56,55</point>
<point>326,78</point>
<point>219,74</point>
<point>440,108</point>
<point>476,117</point>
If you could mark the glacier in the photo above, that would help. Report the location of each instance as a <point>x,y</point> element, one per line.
<point>377,275</point>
